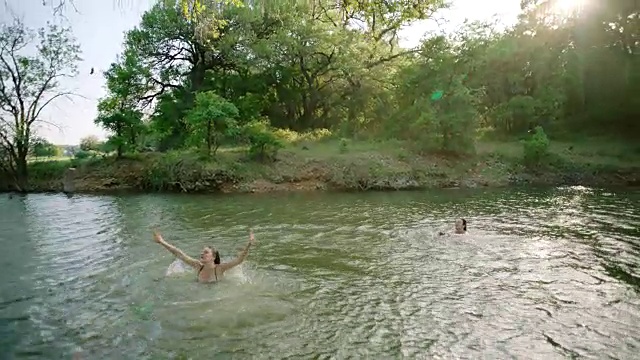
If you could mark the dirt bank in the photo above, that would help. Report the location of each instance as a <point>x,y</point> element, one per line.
<point>326,169</point>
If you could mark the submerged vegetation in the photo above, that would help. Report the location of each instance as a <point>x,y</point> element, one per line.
<point>318,94</point>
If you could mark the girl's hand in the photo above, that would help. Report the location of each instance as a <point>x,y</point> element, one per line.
<point>157,237</point>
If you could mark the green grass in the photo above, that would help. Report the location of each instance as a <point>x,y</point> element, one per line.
<point>338,162</point>
<point>337,148</point>
<point>586,151</point>
<point>591,152</point>
<point>52,158</point>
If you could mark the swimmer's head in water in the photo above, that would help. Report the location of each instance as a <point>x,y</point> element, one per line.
<point>461,226</point>
<point>209,254</point>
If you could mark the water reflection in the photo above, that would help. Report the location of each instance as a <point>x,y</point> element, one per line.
<point>76,242</point>
<point>16,288</point>
<point>544,273</point>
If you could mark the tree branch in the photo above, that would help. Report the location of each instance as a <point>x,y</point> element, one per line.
<point>146,100</point>
<point>8,145</point>
<point>50,123</point>
<point>14,79</point>
<point>5,99</point>
<point>32,108</point>
<point>17,78</point>
<point>392,57</point>
<point>35,116</point>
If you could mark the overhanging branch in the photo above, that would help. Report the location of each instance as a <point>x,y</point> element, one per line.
<point>33,117</point>
<point>390,58</point>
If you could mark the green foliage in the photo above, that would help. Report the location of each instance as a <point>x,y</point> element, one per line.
<point>108,146</point>
<point>263,142</point>
<point>536,148</point>
<point>183,172</point>
<point>344,146</point>
<point>119,111</point>
<point>294,137</point>
<point>48,170</point>
<point>164,173</point>
<point>90,143</point>
<point>448,124</point>
<point>203,72</point>
<point>83,154</point>
<point>43,148</point>
<point>167,126</point>
<point>208,74</point>
<point>211,121</point>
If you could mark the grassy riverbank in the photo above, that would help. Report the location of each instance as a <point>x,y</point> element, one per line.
<point>344,165</point>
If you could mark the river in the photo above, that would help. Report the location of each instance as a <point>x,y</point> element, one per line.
<point>544,274</point>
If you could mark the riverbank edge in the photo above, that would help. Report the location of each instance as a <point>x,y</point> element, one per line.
<point>294,173</point>
<point>265,187</point>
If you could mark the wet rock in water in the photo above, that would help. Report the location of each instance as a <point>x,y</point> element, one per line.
<point>68,182</point>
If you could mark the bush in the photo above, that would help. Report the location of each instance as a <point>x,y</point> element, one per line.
<point>47,170</point>
<point>168,171</point>
<point>211,121</point>
<point>263,142</point>
<point>344,146</point>
<point>536,148</point>
<point>82,154</point>
<point>294,137</point>
<point>183,171</point>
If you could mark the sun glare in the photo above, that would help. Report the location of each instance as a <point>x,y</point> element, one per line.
<point>566,7</point>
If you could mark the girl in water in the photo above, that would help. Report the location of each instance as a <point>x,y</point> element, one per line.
<point>209,267</point>
<point>460,227</point>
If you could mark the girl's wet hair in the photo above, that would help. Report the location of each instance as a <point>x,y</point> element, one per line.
<point>216,255</point>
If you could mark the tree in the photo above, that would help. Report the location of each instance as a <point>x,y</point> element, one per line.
<point>301,64</point>
<point>211,120</point>
<point>118,111</point>
<point>28,84</point>
<point>338,65</point>
<point>43,148</point>
<point>90,143</point>
<point>125,124</point>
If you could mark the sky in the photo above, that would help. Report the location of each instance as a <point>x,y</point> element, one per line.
<point>99,27</point>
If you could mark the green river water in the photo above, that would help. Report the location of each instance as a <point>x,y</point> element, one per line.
<point>542,274</point>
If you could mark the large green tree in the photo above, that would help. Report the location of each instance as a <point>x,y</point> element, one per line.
<point>119,111</point>
<point>306,65</point>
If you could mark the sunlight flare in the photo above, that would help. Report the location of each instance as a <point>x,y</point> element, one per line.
<point>566,7</point>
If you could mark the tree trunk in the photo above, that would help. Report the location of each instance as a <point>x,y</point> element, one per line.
<point>209,138</point>
<point>133,138</point>
<point>22,172</point>
<point>119,136</point>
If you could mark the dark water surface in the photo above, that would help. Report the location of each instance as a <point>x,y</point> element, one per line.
<point>543,274</point>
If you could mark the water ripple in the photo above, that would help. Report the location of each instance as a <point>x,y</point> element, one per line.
<point>549,273</point>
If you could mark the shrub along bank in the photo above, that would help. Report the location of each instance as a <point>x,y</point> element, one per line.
<point>342,164</point>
